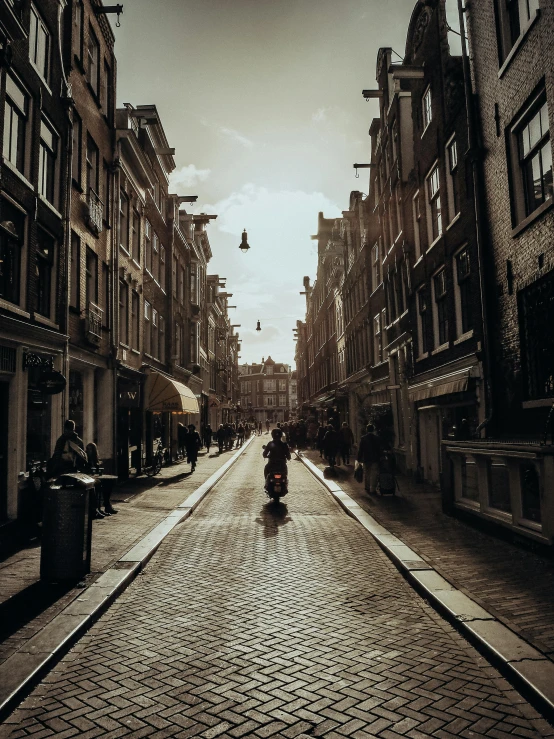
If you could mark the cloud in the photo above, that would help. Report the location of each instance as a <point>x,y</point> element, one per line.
<point>230,133</point>
<point>188,176</point>
<point>332,117</point>
<point>267,281</point>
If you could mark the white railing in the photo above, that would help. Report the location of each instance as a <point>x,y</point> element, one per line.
<point>95,211</point>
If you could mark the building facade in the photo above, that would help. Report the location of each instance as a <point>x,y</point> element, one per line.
<point>264,391</point>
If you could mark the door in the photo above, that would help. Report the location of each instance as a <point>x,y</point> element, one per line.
<point>430,435</point>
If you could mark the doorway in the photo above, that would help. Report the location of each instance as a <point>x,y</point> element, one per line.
<point>4,397</point>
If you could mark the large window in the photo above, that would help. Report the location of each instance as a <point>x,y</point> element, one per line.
<point>535,157</point>
<point>124,220</point>
<point>416,218</point>
<point>75,271</point>
<point>514,17</point>
<point>148,246</point>
<point>92,166</point>
<point>441,308</point>
<point>135,308</point>
<point>15,124</point>
<point>162,268</point>
<point>147,330</point>
<point>44,268</point>
<point>377,344</point>
<point>464,313</point>
<point>136,236</point>
<point>78,33</point>
<point>452,179</point>
<point>426,108</point>
<point>375,267</point>
<point>434,211</point>
<point>47,162</point>
<point>39,44</point>
<point>270,386</point>
<point>161,338</point>
<point>93,61</point>
<point>91,277</point>
<point>536,314</point>
<point>11,244</point>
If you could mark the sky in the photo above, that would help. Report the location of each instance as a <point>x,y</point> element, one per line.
<point>262,101</point>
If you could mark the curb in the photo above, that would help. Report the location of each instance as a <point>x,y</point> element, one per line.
<point>526,667</point>
<point>23,669</point>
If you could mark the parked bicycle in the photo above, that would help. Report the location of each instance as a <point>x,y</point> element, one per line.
<point>157,460</point>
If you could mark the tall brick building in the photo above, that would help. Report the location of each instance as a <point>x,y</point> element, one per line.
<point>264,391</point>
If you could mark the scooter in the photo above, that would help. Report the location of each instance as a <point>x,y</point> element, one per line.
<point>276,480</point>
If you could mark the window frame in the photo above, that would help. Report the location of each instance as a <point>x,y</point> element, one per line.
<point>426,108</point>
<point>462,293</point>
<point>22,115</point>
<point>93,65</point>
<point>440,310</point>
<point>433,204</point>
<point>48,163</point>
<point>42,65</point>
<point>452,177</point>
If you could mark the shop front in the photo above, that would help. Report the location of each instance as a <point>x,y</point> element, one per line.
<point>129,424</point>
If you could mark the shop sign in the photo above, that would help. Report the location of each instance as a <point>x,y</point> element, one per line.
<point>129,395</point>
<point>51,382</point>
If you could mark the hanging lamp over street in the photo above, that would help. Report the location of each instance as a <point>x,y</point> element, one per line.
<point>258,327</point>
<point>244,245</point>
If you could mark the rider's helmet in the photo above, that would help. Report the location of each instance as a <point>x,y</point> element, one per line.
<point>276,434</point>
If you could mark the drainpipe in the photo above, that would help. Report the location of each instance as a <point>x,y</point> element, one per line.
<point>114,292</point>
<point>480,216</point>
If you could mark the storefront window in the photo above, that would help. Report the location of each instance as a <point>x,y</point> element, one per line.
<point>470,489</point>
<point>76,400</point>
<point>530,493</point>
<point>499,487</point>
<point>38,419</point>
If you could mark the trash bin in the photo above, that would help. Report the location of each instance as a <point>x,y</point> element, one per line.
<point>67,527</point>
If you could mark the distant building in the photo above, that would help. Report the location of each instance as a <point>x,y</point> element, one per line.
<point>264,391</point>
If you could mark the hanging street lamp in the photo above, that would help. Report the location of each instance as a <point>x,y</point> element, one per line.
<point>244,245</point>
<point>258,327</point>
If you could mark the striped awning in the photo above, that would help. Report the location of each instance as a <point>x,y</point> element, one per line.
<point>454,383</point>
<point>164,393</point>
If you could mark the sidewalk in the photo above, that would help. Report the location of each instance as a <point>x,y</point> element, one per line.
<point>515,585</point>
<point>27,604</point>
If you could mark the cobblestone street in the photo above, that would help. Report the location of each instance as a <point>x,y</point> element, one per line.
<point>259,621</point>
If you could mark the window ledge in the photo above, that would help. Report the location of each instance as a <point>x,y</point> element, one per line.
<point>540,403</point>
<point>422,356</point>
<point>14,308</point>
<point>16,172</point>
<point>436,241</point>
<point>453,221</point>
<point>135,351</point>
<point>134,261</point>
<point>45,321</point>
<point>124,250</point>
<point>518,44</point>
<point>440,348</point>
<point>464,337</point>
<point>49,205</point>
<point>37,70</point>
<point>418,260</point>
<point>532,217</point>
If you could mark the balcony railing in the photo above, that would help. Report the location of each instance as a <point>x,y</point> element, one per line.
<point>93,323</point>
<point>95,212</point>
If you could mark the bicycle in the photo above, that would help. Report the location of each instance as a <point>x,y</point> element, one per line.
<point>157,461</point>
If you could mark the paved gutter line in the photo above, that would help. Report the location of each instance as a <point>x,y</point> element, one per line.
<point>528,668</point>
<point>23,669</point>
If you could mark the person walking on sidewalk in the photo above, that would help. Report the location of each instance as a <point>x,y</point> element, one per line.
<point>346,442</point>
<point>220,436</point>
<point>369,454</point>
<point>193,442</point>
<point>208,433</point>
<point>331,442</point>
<point>182,433</point>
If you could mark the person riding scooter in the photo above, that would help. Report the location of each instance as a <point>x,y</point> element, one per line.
<point>277,453</point>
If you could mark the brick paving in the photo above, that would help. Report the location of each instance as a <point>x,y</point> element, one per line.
<point>516,585</point>
<point>258,621</point>
<point>141,504</point>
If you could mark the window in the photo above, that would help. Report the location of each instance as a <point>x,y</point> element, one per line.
<point>464,317</point>
<point>10,253</point>
<point>155,257</point>
<point>536,316</point>
<point>44,268</point>
<point>107,189</point>
<point>39,44</point>
<point>416,217</point>
<point>269,400</point>
<point>148,246</point>
<point>441,313</point>
<point>282,399</point>
<point>47,162</point>
<point>434,211</point>
<point>194,341</point>
<point>162,267</point>
<point>92,166</point>
<point>423,325</point>
<point>105,91</point>
<point>78,33</point>
<point>375,276</point>
<point>452,178</point>
<point>535,158</point>
<point>124,220</point>
<point>193,284</point>
<point>147,327</point>
<point>136,236</point>
<point>282,386</point>
<point>93,61</point>
<point>135,307</point>
<point>514,16</point>
<point>426,108</point>
<point>91,277</point>
<point>269,370</point>
<point>377,346</point>
<point>154,342</point>
<point>397,215</point>
<point>15,124</point>
<point>174,275</point>
<point>270,386</point>
<point>106,295</point>
<point>182,281</point>
<point>75,271</point>
<point>77,161</point>
<point>123,312</point>
<point>161,337</point>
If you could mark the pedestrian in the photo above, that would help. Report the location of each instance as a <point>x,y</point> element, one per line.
<point>331,444</point>
<point>322,430</point>
<point>69,453</point>
<point>267,425</point>
<point>193,444</point>
<point>346,440</point>
<point>182,433</point>
<point>220,435</point>
<point>240,435</point>
<point>208,433</point>
<point>369,454</point>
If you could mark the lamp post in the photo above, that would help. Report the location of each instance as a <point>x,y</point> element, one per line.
<point>244,245</point>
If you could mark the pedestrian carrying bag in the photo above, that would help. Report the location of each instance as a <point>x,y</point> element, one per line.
<point>359,472</point>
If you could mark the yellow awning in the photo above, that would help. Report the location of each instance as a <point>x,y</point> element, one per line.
<point>163,393</point>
